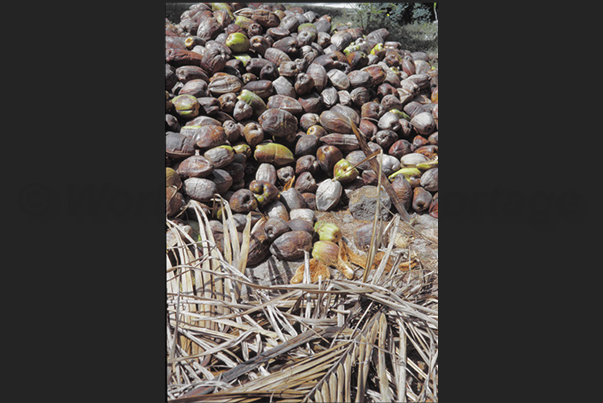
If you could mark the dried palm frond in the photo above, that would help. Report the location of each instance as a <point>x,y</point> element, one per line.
<point>335,340</point>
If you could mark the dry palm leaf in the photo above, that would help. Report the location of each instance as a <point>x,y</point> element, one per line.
<point>347,256</point>
<point>337,340</point>
<point>383,179</point>
<point>376,235</point>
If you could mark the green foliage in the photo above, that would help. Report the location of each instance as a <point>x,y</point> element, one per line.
<point>371,16</point>
<point>411,33</point>
<point>407,23</point>
<point>421,12</point>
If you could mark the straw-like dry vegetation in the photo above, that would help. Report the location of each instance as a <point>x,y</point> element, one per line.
<point>230,340</point>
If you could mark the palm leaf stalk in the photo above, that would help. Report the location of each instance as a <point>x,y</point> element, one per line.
<point>338,340</point>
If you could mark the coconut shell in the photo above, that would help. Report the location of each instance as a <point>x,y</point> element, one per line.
<point>291,245</point>
<point>328,194</point>
<point>200,189</point>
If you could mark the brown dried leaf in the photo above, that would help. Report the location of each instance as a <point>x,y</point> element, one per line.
<point>289,184</point>
<point>317,269</point>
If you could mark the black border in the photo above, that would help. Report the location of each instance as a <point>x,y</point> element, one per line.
<point>83,87</point>
<point>515,301</point>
